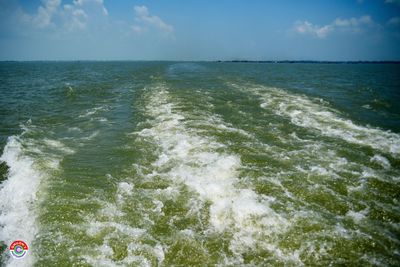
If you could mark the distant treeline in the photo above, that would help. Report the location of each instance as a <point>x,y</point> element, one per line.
<point>310,61</point>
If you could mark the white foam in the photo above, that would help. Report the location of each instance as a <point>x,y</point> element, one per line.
<point>124,187</point>
<point>319,170</point>
<point>112,211</point>
<point>381,160</point>
<point>74,129</point>
<point>305,112</point>
<point>159,252</point>
<point>102,255</point>
<point>93,111</point>
<point>158,207</point>
<point>366,106</point>
<point>357,216</point>
<point>96,227</point>
<point>53,163</point>
<point>213,176</point>
<point>216,122</point>
<point>91,136</point>
<point>55,144</point>
<point>18,197</point>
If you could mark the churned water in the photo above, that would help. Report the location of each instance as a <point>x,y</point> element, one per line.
<point>200,164</point>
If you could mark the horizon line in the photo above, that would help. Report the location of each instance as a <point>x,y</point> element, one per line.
<point>215,60</point>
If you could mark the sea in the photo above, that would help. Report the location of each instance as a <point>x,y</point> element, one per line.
<point>200,164</point>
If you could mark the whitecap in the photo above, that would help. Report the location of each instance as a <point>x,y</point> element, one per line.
<point>18,198</point>
<point>303,111</point>
<point>213,176</point>
<point>381,160</point>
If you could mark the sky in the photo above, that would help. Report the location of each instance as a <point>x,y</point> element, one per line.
<point>199,30</point>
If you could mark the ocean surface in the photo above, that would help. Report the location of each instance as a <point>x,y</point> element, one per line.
<point>200,164</point>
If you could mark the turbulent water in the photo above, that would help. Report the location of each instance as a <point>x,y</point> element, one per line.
<point>200,164</point>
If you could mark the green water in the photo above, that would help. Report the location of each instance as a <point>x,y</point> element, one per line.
<point>200,164</point>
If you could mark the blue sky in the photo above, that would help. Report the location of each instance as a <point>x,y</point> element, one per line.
<point>199,30</point>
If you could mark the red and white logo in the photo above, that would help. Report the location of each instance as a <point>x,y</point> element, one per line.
<point>18,249</point>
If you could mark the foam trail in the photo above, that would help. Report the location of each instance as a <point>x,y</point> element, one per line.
<point>213,176</point>
<point>17,195</point>
<point>306,113</point>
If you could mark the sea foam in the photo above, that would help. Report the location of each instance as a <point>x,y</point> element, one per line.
<point>194,161</point>
<point>304,112</point>
<point>18,197</point>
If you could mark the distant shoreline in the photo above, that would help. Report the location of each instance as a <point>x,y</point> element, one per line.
<point>222,61</point>
<point>309,61</point>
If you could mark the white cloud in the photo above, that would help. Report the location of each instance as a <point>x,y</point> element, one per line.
<point>77,18</point>
<point>351,24</point>
<point>305,27</point>
<point>73,16</point>
<point>144,17</point>
<point>98,2</point>
<point>137,29</point>
<point>105,11</point>
<point>45,13</point>
<point>141,11</point>
<point>76,15</point>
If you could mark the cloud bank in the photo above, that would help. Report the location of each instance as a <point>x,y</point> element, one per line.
<point>52,14</point>
<point>146,20</point>
<point>45,13</point>
<point>352,24</point>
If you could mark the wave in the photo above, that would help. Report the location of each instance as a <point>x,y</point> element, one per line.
<point>314,114</point>
<point>29,159</point>
<point>18,198</point>
<point>186,157</point>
